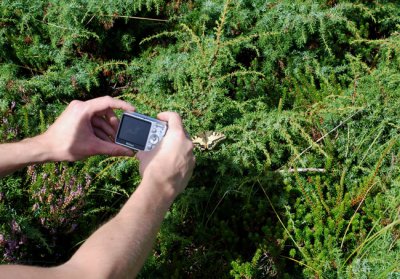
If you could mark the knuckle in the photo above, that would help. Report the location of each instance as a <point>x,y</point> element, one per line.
<point>114,151</point>
<point>177,116</point>
<point>108,98</point>
<point>84,108</point>
<point>75,103</point>
<point>117,151</point>
<point>77,107</point>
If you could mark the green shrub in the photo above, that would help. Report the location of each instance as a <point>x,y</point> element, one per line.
<point>306,183</point>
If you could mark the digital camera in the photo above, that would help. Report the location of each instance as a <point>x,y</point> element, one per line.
<point>140,132</point>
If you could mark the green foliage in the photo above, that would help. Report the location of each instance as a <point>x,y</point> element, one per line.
<point>306,183</point>
<point>261,266</point>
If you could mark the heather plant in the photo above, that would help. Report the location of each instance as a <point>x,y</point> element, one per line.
<point>306,183</point>
<point>57,197</point>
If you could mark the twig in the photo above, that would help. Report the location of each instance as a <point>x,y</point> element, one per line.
<point>327,134</point>
<point>220,26</point>
<point>284,227</point>
<point>302,264</point>
<point>215,208</point>
<point>292,170</point>
<point>137,17</point>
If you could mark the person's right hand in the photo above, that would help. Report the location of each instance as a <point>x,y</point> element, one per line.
<point>171,162</point>
<point>85,129</point>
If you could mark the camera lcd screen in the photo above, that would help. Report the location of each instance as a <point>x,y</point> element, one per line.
<point>134,131</point>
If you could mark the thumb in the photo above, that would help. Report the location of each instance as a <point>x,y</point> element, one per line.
<point>112,149</point>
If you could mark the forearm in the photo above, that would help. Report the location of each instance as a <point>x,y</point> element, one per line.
<point>20,154</point>
<point>119,248</point>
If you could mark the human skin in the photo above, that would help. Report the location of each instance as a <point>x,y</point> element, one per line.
<point>119,248</point>
<point>84,129</point>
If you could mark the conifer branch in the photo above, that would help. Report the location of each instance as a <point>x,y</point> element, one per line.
<point>159,35</point>
<point>369,185</point>
<point>195,38</point>
<point>78,33</point>
<point>219,32</point>
<point>236,74</point>
<point>327,134</point>
<point>303,189</point>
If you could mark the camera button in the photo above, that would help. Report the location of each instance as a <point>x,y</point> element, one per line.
<point>154,139</point>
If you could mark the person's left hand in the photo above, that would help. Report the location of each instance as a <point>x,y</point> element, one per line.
<point>85,129</point>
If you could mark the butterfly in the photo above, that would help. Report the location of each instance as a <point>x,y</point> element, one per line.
<point>207,140</point>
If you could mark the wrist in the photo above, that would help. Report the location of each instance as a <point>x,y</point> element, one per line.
<point>166,190</point>
<point>40,151</point>
<point>150,198</point>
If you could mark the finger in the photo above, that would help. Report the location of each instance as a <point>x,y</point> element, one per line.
<point>102,135</point>
<point>112,149</point>
<point>103,103</point>
<point>101,123</point>
<point>112,119</point>
<point>173,119</point>
<point>139,155</point>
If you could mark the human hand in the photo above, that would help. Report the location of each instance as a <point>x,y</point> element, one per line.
<point>85,129</point>
<point>171,162</point>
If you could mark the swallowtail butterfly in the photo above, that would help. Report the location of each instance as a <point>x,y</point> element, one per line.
<point>207,140</point>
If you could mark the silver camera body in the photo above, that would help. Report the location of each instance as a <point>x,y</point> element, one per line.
<point>140,132</point>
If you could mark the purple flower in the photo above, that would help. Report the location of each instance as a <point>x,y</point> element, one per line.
<point>35,207</point>
<point>12,245</point>
<point>15,228</point>
<point>2,240</point>
<point>23,239</point>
